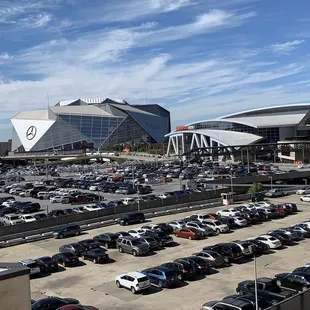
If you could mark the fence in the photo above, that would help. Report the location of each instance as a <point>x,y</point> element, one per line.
<point>297,302</point>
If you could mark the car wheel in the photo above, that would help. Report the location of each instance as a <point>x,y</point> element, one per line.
<point>189,237</point>
<point>61,236</point>
<point>134,253</point>
<point>133,290</point>
<point>218,231</point>
<point>279,283</point>
<point>126,223</point>
<point>160,284</point>
<point>77,233</point>
<point>120,249</point>
<point>118,284</point>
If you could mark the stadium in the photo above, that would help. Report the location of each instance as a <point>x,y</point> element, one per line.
<point>94,123</point>
<point>258,126</point>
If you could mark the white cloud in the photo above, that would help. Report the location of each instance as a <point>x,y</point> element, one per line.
<point>4,56</point>
<point>287,46</point>
<point>35,21</point>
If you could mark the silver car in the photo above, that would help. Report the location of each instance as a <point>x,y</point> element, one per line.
<point>132,245</point>
<point>208,231</point>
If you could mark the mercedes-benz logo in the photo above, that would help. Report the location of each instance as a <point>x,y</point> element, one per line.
<point>31,132</point>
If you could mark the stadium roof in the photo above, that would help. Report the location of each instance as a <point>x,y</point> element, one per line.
<point>224,136</point>
<point>80,109</point>
<point>38,115</point>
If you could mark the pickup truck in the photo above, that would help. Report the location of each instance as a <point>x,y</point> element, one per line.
<point>267,288</point>
<point>276,192</point>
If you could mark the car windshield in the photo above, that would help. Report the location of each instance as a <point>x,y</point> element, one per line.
<point>142,279</point>
<point>98,251</point>
<point>136,242</point>
<point>272,238</point>
<point>217,223</point>
<point>14,217</point>
<point>76,246</point>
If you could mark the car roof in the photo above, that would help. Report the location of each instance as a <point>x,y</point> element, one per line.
<point>128,238</point>
<point>236,302</point>
<point>27,261</point>
<point>135,274</point>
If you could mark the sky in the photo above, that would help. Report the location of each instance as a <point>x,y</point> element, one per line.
<point>200,59</point>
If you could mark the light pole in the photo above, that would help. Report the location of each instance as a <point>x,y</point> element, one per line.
<point>306,181</point>
<point>231,185</point>
<point>270,182</point>
<point>255,284</point>
<point>247,158</point>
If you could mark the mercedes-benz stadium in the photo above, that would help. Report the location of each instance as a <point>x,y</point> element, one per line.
<point>264,125</point>
<point>96,122</point>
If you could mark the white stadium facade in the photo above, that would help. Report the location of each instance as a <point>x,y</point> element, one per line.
<point>96,123</point>
<point>258,126</point>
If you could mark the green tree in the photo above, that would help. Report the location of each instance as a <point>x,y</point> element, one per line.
<point>256,188</point>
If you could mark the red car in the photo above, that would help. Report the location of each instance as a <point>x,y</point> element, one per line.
<point>189,233</point>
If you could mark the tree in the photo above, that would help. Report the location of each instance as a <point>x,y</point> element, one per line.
<point>256,188</point>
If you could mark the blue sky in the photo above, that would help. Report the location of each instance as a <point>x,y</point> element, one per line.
<point>198,58</point>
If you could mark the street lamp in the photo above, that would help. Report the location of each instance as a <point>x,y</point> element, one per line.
<point>255,283</point>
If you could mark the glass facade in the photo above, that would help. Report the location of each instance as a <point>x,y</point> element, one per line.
<point>94,129</point>
<point>270,134</point>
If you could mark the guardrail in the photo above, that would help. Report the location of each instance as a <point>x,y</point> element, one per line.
<point>44,233</point>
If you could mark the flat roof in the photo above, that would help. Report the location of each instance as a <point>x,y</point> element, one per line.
<point>12,270</point>
<point>80,110</point>
<point>33,115</point>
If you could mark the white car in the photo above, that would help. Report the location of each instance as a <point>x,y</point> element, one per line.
<point>80,209</point>
<point>163,196</point>
<point>16,191</point>
<point>217,225</point>
<point>11,219</point>
<point>134,281</point>
<point>177,224</point>
<point>262,204</point>
<point>93,188</point>
<point>150,226</point>
<point>26,193</point>
<point>136,232</point>
<point>303,191</point>
<point>92,207</point>
<point>8,203</point>
<point>272,242</point>
<point>27,218</point>
<point>56,199</point>
<point>228,212</point>
<point>305,198</point>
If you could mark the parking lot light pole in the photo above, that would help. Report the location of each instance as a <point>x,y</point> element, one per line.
<point>270,182</point>
<point>306,181</point>
<point>255,284</point>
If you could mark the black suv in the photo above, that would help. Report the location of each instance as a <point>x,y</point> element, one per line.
<point>66,231</point>
<point>160,236</point>
<point>108,240</point>
<point>30,208</point>
<point>229,251</point>
<point>132,218</point>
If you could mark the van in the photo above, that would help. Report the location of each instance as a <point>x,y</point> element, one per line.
<point>131,218</point>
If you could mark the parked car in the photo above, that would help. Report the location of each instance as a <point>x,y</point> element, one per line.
<point>182,267</point>
<point>299,281</point>
<point>89,244</point>
<point>67,259</point>
<point>205,229</point>
<point>217,226</point>
<point>259,246</point>
<point>40,216</point>
<point>303,191</point>
<point>132,245</point>
<point>79,209</point>
<point>134,281</point>
<point>107,240</point>
<point>189,233</point>
<point>161,276</point>
<point>27,218</point>
<point>96,255</point>
<point>47,264</point>
<point>230,252</point>
<point>272,242</point>
<point>177,225</point>
<point>52,303</point>
<point>12,219</point>
<point>165,228</point>
<point>276,192</point>
<point>92,207</point>
<point>246,247</point>
<point>75,248</point>
<point>262,303</point>
<point>132,218</point>
<point>66,231</point>
<point>214,258</point>
<point>32,265</point>
<point>152,242</point>
<point>229,304</point>
<point>228,212</point>
<point>239,221</point>
<point>136,232</point>
<point>201,265</point>
<point>162,238</point>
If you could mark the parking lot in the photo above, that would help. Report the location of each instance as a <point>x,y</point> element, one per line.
<point>94,284</point>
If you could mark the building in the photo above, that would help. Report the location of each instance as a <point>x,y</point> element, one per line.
<point>14,287</point>
<point>5,147</point>
<point>258,126</point>
<point>89,123</point>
